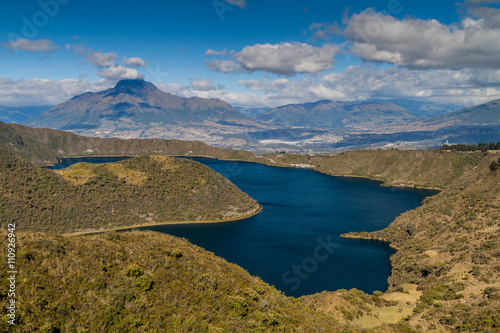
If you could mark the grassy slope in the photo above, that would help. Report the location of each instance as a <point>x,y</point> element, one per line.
<point>137,191</point>
<point>425,168</point>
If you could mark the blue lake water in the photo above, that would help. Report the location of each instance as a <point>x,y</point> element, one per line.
<point>294,243</point>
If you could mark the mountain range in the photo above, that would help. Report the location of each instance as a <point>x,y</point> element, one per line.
<point>334,114</point>
<point>138,109</point>
<point>11,114</point>
<point>420,108</point>
<point>487,114</point>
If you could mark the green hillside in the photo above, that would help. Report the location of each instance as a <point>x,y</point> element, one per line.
<point>142,190</point>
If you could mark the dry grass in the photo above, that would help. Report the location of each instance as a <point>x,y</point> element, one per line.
<point>78,174</point>
<point>130,176</point>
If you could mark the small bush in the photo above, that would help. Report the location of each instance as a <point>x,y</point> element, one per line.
<point>239,306</point>
<point>135,271</point>
<point>495,165</point>
<point>175,253</point>
<point>207,282</point>
<point>144,282</point>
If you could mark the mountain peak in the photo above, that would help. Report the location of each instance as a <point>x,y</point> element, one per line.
<point>135,105</point>
<point>135,84</point>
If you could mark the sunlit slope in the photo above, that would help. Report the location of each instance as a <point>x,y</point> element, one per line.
<point>141,190</point>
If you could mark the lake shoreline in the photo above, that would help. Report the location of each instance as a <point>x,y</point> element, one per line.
<point>278,165</point>
<point>368,237</point>
<point>136,226</point>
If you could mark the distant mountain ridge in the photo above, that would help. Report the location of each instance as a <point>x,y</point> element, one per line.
<point>335,114</point>
<point>134,104</point>
<point>420,108</point>
<point>138,109</point>
<point>483,114</point>
<point>21,114</point>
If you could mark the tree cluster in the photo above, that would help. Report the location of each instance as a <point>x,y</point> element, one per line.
<point>483,146</point>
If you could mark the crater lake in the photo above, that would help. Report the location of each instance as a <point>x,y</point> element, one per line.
<point>294,243</point>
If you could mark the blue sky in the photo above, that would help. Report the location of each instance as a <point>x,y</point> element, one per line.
<point>253,52</point>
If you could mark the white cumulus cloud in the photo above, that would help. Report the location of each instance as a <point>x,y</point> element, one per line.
<point>211,52</point>
<point>134,62</point>
<point>202,85</point>
<point>425,44</point>
<point>466,87</point>
<point>117,72</point>
<point>282,59</point>
<point>44,92</point>
<point>34,46</point>
<point>224,66</point>
<point>101,59</point>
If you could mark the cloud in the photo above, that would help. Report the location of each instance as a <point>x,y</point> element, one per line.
<point>134,62</point>
<point>240,3</point>
<point>426,44</point>
<point>117,72</point>
<point>202,85</point>
<point>211,52</point>
<point>233,98</point>
<point>77,50</point>
<point>480,2</point>
<point>470,86</point>
<point>100,59</point>
<point>324,31</point>
<point>282,59</point>
<point>224,66</point>
<point>466,87</point>
<point>284,91</point>
<point>44,92</point>
<point>265,85</point>
<point>490,17</point>
<point>33,46</point>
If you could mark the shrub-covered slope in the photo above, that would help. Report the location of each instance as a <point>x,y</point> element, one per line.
<point>148,189</point>
<point>142,282</point>
<point>449,251</point>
